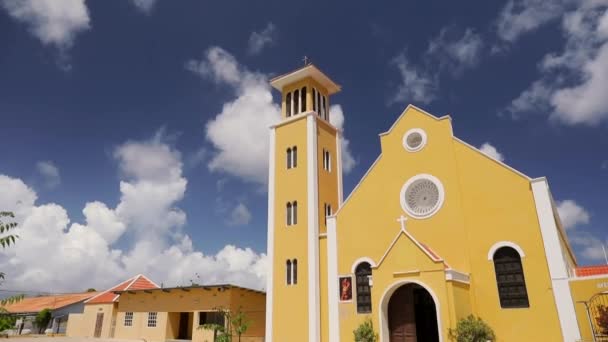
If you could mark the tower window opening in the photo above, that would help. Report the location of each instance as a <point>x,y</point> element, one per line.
<point>326,160</point>
<point>294,268</point>
<point>288,105</point>
<point>325,113</point>
<point>319,103</point>
<point>314,99</point>
<point>294,212</point>
<point>303,99</point>
<point>289,216</point>
<point>292,157</point>
<point>288,270</point>
<point>327,211</point>
<point>296,101</point>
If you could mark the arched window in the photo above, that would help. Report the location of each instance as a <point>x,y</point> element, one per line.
<point>288,272</point>
<point>296,102</point>
<point>319,103</point>
<point>294,266</point>
<point>294,212</point>
<point>314,99</point>
<point>325,114</point>
<point>294,156</point>
<point>510,279</point>
<point>289,211</point>
<point>303,99</point>
<point>289,158</point>
<point>363,274</point>
<point>288,105</point>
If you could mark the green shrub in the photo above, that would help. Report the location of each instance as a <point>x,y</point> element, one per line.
<point>472,329</point>
<point>365,332</point>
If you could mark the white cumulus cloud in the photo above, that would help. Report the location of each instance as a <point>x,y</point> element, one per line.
<point>259,40</point>
<point>336,118</point>
<point>491,151</point>
<point>522,16</point>
<point>55,254</point>
<point>573,82</point>
<point>417,85</point>
<point>455,52</point>
<point>240,132</point>
<point>239,216</point>
<point>144,6</point>
<point>572,214</point>
<point>53,22</point>
<point>50,173</point>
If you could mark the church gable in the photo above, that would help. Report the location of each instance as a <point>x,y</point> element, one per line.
<point>406,255</point>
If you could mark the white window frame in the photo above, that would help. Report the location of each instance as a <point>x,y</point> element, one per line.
<point>152,319</point>
<point>128,319</point>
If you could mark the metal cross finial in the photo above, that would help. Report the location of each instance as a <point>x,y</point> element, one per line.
<point>306,60</point>
<point>402,220</point>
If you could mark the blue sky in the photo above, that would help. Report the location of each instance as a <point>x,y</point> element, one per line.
<point>134,131</point>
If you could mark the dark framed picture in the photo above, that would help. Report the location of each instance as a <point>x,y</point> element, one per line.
<point>346,288</point>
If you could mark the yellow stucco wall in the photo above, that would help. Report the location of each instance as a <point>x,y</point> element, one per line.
<point>582,290</point>
<point>290,301</point>
<point>83,325</point>
<point>485,203</point>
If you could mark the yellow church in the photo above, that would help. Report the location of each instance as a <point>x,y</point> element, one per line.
<point>434,231</point>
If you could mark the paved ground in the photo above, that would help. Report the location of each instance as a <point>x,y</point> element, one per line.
<point>64,339</point>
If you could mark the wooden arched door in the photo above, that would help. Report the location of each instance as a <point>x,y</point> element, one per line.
<point>401,315</point>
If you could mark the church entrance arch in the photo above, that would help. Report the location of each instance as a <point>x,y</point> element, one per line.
<point>409,313</point>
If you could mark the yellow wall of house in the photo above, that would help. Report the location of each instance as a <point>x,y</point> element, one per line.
<point>290,303</point>
<point>169,305</point>
<point>484,203</point>
<point>582,289</point>
<point>83,324</point>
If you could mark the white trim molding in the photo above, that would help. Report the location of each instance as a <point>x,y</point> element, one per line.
<point>461,277</point>
<point>314,311</point>
<point>333,291</point>
<point>386,297</point>
<point>368,260</point>
<point>440,199</point>
<point>500,244</point>
<point>339,169</point>
<point>418,109</point>
<point>270,237</point>
<point>414,148</point>
<point>558,269</point>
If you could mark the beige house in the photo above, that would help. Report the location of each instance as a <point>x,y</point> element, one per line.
<point>139,309</point>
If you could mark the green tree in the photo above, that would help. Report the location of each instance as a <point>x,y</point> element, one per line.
<point>224,333</point>
<point>42,320</point>
<point>365,332</point>
<point>472,329</point>
<point>7,321</point>
<point>6,239</point>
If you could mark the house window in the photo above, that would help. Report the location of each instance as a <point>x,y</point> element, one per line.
<point>510,279</point>
<point>303,99</point>
<point>327,212</point>
<point>152,319</point>
<point>216,318</point>
<point>128,319</point>
<point>363,273</point>
<point>288,271</point>
<point>288,105</point>
<point>326,160</point>
<point>296,101</point>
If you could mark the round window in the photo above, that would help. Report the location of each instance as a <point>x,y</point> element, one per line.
<point>422,196</point>
<point>414,140</point>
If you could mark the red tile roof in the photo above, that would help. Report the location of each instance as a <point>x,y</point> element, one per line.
<point>585,271</point>
<point>36,304</point>
<point>139,282</point>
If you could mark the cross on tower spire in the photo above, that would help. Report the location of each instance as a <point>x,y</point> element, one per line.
<point>306,60</point>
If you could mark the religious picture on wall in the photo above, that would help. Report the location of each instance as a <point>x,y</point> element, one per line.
<point>346,289</point>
